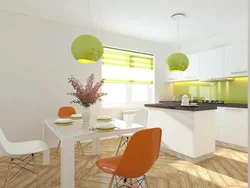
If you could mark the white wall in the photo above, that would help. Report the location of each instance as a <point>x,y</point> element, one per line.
<point>36,61</point>
<point>216,41</point>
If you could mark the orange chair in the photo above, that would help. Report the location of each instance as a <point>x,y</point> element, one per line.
<point>66,112</point>
<point>141,153</point>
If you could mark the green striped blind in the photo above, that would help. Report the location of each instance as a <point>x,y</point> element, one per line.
<point>127,59</point>
<point>122,58</point>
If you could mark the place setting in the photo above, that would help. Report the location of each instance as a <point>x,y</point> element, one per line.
<point>68,121</point>
<point>103,123</point>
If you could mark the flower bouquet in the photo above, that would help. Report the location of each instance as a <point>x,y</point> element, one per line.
<point>86,96</point>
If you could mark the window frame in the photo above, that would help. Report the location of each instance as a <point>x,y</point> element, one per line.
<point>129,102</point>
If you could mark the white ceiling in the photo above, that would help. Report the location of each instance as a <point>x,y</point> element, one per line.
<point>144,19</point>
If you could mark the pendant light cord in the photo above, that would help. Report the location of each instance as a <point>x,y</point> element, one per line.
<point>178,41</point>
<point>91,22</point>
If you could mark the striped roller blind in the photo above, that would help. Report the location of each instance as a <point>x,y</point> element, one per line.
<point>122,66</point>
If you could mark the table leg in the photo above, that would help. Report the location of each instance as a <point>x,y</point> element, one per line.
<point>46,154</point>
<point>95,146</point>
<point>68,163</point>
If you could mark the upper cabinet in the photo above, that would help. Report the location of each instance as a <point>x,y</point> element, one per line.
<point>173,76</point>
<point>229,61</point>
<point>192,72</point>
<point>236,60</point>
<point>212,64</point>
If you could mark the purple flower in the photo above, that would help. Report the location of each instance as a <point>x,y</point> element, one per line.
<point>87,95</point>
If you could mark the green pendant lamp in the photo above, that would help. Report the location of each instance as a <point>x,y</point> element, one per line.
<point>87,49</point>
<point>177,62</point>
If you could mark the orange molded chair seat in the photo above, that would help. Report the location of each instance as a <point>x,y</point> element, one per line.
<point>109,165</point>
<point>141,153</point>
<point>66,112</point>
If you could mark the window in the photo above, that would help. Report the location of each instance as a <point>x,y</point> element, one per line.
<point>128,77</point>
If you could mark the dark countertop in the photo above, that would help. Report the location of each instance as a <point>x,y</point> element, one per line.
<point>176,106</point>
<point>229,105</point>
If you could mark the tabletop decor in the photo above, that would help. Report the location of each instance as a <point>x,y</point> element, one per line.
<point>86,96</point>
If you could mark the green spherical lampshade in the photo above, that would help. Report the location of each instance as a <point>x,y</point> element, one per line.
<point>177,62</point>
<point>87,49</point>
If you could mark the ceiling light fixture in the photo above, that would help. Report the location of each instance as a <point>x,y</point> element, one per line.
<point>87,49</point>
<point>177,62</point>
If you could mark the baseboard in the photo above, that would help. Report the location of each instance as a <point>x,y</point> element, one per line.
<point>185,157</point>
<point>232,146</point>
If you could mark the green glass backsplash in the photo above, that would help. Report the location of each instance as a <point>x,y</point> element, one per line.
<point>234,91</point>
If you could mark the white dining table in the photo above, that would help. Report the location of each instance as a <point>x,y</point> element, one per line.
<point>79,131</point>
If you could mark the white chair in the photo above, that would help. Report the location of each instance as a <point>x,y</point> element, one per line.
<point>141,117</point>
<point>16,149</point>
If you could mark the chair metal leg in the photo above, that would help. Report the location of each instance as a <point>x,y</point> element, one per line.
<point>124,183</point>
<point>6,182</point>
<point>36,171</point>
<point>127,139</point>
<point>58,146</point>
<point>131,182</point>
<point>119,146</point>
<point>77,144</point>
<point>80,147</point>
<point>146,181</point>
<point>111,181</point>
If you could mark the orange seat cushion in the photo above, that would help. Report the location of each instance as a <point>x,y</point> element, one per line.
<point>109,165</point>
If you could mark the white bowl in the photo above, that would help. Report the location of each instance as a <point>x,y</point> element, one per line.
<point>105,126</point>
<point>76,116</point>
<point>62,121</point>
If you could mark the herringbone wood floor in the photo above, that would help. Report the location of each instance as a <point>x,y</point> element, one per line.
<point>227,169</point>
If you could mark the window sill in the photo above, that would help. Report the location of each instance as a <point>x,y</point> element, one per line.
<point>123,106</point>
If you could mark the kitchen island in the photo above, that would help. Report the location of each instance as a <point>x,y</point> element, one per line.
<point>187,132</point>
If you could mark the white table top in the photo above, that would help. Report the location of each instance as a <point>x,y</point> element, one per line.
<point>81,129</point>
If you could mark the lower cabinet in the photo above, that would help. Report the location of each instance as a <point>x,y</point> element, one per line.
<point>232,126</point>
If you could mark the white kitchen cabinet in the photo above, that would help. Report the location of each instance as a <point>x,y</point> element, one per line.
<point>173,76</point>
<point>236,60</point>
<point>232,126</point>
<point>212,64</point>
<point>192,72</point>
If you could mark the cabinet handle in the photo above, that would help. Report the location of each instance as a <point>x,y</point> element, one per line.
<point>240,72</point>
<point>233,109</point>
<point>189,77</point>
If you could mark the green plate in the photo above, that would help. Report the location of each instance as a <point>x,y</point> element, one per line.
<point>105,129</point>
<point>64,124</point>
<point>76,118</point>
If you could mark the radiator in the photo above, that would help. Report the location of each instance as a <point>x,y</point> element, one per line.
<point>129,115</point>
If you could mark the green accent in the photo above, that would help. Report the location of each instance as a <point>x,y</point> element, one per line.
<point>235,91</point>
<point>103,129</point>
<point>75,118</point>
<point>128,81</point>
<point>177,62</point>
<point>64,124</point>
<point>130,51</point>
<point>116,58</point>
<point>87,49</point>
